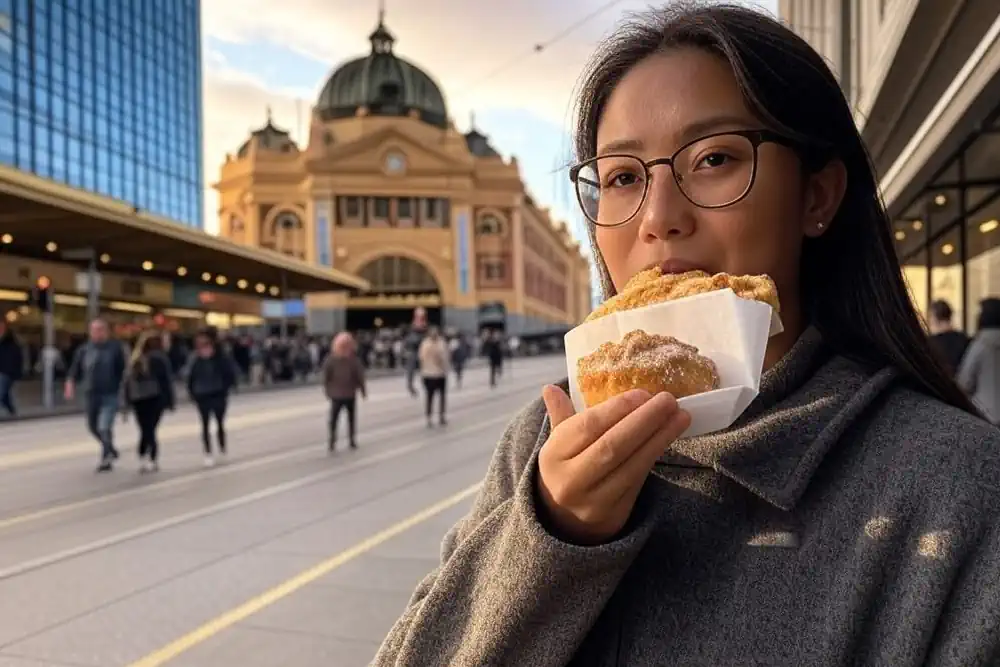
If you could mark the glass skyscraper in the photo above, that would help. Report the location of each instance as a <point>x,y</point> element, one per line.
<point>105,95</point>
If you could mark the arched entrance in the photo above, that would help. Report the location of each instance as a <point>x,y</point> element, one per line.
<point>399,285</point>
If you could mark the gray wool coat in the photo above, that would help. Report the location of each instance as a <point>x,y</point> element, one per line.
<point>845,519</point>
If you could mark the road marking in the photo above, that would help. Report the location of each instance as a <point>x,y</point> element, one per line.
<point>283,590</point>
<point>239,466</point>
<point>171,432</point>
<point>232,503</point>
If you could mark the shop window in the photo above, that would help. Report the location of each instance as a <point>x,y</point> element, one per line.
<point>946,274</point>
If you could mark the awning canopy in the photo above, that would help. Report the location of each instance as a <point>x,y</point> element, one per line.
<point>45,220</point>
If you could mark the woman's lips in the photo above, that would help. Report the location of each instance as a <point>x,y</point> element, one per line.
<point>677,266</point>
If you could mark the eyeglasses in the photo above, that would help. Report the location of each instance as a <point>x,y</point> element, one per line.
<point>714,171</point>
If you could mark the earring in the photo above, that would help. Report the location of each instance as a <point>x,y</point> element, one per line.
<point>819,225</point>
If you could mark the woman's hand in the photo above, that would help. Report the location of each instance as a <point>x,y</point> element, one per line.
<point>593,465</point>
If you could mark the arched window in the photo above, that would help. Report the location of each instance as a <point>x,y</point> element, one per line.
<point>399,275</point>
<point>489,225</point>
<point>287,232</point>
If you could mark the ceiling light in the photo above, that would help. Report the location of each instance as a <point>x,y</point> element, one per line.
<point>242,284</point>
<point>900,235</point>
<point>221,280</point>
<point>274,291</point>
<point>260,287</point>
<point>989,226</point>
<point>51,246</point>
<point>940,200</point>
<point>918,225</point>
<point>206,276</point>
<point>7,239</point>
<point>182,271</point>
<point>147,266</point>
<point>947,248</point>
<point>105,258</point>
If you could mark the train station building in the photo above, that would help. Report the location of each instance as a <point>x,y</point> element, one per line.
<point>924,80</point>
<point>388,190</point>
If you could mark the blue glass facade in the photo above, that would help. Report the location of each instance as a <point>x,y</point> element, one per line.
<point>105,95</point>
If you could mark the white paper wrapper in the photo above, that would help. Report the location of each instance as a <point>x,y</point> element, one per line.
<point>731,331</point>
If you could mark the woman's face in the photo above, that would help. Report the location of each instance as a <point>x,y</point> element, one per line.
<point>203,346</point>
<point>667,101</point>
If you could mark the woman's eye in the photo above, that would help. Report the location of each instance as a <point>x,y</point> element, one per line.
<point>622,179</point>
<point>713,160</point>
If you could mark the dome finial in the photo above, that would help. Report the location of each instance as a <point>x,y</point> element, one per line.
<point>270,116</point>
<point>381,39</point>
<point>472,121</point>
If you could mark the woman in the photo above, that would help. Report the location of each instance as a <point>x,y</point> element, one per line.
<point>149,391</point>
<point>433,361</point>
<point>979,372</point>
<point>343,380</point>
<point>211,376</point>
<point>848,517</point>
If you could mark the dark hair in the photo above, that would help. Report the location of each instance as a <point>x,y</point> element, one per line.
<point>852,285</point>
<point>989,314</point>
<point>941,311</point>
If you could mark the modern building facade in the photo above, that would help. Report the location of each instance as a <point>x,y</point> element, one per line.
<point>388,190</point>
<point>105,96</point>
<point>924,79</point>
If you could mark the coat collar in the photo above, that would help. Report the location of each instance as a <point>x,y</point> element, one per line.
<point>807,402</point>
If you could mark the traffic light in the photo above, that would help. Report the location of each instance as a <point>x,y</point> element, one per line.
<point>41,294</point>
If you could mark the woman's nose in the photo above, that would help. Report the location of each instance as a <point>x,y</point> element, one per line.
<point>666,213</point>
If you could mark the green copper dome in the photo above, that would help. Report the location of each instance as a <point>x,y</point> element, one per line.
<point>383,83</point>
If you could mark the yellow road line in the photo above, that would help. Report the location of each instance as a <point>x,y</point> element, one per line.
<point>283,590</point>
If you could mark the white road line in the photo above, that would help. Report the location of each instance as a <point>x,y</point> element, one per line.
<point>232,503</point>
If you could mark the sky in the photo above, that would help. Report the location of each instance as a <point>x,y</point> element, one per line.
<point>277,54</point>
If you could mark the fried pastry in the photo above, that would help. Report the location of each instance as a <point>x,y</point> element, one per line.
<point>652,286</point>
<point>645,361</point>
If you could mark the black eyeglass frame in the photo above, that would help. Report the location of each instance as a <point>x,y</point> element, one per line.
<point>756,138</point>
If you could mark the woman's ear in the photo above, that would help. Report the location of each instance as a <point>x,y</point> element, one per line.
<point>824,192</point>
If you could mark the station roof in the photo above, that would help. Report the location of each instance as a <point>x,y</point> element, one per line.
<point>35,213</point>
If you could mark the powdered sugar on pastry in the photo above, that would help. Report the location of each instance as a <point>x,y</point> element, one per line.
<point>652,286</point>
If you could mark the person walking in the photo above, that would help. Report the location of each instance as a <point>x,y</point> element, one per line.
<point>99,366</point>
<point>459,348</point>
<point>343,380</point>
<point>493,350</point>
<point>11,367</point>
<point>434,367</point>
<point>949,343</point>
<point>211,376</point>
<point>149,390</point>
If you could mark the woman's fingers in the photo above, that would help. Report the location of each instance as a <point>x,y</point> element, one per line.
<point>621,442</point>
<point>584,428</point>
<point>557,404</point>
<point>628,478</point>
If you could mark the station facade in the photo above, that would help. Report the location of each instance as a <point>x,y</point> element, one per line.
<point>923,78</point>
<point>388,190</point>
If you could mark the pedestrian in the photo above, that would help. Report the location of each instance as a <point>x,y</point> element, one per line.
<point>99,367</point>
<point>11,366</point>
<point>411,345</point>
<point>149,390</point>
<point>434,367</point>
<point>493,349</point>
<point>948,342</point>
<point>343,380</point>
<point>849,516</point>
<point>211,376</point>
<point>459,349</point>
<point>979,372</point>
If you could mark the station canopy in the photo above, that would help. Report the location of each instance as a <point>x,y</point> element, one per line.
<point>45,220</point>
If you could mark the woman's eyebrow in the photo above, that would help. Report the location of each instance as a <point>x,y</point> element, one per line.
<point>689,132</point>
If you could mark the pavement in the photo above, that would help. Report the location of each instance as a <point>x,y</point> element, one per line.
<point>281,555</point>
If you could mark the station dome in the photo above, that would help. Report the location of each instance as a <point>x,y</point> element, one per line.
<point>383,84</point>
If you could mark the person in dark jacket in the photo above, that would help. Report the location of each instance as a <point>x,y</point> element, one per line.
<point>11,367</point>
<point>949,343</point>
<point>979,373</point>
<point>850,516</point>
<point>493,351</point>
<point>211,376</point>
<point>99,366</point>
<point>149,390</point>
<point>343,380</point>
